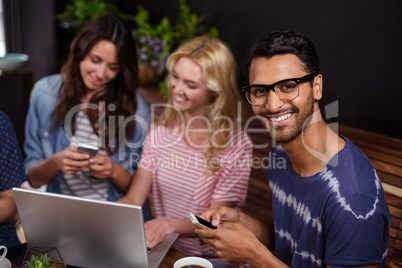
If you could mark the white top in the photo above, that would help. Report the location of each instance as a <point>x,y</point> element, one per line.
<point>81,183</point>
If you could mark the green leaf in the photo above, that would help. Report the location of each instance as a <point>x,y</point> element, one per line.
<point>42,262</point>
<point>79,12</point>
<point>187,25</point>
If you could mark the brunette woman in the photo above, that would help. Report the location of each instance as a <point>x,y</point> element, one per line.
<point>92,102</point>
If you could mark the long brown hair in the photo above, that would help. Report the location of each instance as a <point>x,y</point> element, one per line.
<point>120,91</point>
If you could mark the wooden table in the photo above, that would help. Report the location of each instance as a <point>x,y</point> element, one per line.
<point>172,256</point>
<point>16,255</point>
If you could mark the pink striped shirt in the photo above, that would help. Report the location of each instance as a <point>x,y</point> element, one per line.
<point>180,181</point>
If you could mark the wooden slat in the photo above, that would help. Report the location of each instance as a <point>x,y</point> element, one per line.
<point>376,146</point>
<point>391,179</point>
<point>391,242</point>
<point>387,168</point>
<point>394,264</point>
<point>260,174</point>
<point>395,256</point>
<point>398,234</point>
<point>391,189</point>
<point>395,223</point>
<point>372,138</point>
<point>393,201</point>
<point>393,232</point>
<point>395,211</point>
<point>398,245</point>
<point>380,156</point>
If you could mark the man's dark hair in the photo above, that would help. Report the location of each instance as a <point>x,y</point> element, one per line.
<point>281,42</point>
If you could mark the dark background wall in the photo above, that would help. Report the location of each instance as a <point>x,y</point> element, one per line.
<point>359,43</point>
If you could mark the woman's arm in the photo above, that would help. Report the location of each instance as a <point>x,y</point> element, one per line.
<point>43,172</point>
<point>139,188</point>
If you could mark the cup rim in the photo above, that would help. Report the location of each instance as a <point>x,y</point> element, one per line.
<point>192,260</point>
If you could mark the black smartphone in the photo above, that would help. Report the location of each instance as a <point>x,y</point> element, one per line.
<point>200,222</point>
<point>88,149</point>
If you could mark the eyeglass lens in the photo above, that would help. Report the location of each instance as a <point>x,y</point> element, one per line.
<point>288,90</point>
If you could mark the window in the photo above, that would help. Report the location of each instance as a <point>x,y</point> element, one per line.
<point>2,35</point>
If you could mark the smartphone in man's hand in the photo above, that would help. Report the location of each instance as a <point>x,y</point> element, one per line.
<point>200,222</point>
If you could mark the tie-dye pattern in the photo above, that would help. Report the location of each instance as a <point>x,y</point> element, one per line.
<point>338,217</point>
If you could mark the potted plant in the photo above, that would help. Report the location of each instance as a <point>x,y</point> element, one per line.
<point>154,41</point>
<point>39,262</point>
<point>42,258</point>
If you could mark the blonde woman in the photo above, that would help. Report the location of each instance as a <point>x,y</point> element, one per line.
<point>195,158</point>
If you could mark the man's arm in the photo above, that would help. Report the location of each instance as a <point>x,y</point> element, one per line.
<point>239,238</point>
<point>234,242</point>
<point>264,231</point>
<point>8,208</point>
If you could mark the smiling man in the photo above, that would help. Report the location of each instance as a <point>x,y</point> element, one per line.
<point>328,204</point>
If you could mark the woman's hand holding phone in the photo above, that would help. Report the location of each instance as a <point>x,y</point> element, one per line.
<point>88,149</point>
<point>101,166</point>
<point>70,161</point>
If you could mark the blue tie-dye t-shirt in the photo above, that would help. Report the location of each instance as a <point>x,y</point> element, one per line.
<point>338,217</point>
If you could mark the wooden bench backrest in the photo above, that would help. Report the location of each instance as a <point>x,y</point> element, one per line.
<point>386,155</point>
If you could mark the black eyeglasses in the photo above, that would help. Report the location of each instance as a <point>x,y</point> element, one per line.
<point>286,90</point>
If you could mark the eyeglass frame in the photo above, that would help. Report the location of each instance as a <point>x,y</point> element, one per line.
<point>305,78</point>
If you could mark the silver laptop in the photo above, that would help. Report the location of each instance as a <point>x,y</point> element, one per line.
<point>88,233</point>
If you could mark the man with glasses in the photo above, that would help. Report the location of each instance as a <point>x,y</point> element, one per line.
<point>328,204</point>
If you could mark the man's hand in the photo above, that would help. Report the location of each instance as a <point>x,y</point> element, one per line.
<point>221,215</point>
<point>233,242</point>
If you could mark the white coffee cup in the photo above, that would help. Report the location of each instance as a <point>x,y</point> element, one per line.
<point>192,260</point>
<point>3,255</point>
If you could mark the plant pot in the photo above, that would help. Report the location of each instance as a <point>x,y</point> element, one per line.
<point>148,75</point>
<point>56,260</point>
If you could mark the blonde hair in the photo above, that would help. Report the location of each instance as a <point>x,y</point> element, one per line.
<point>219,76</point>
